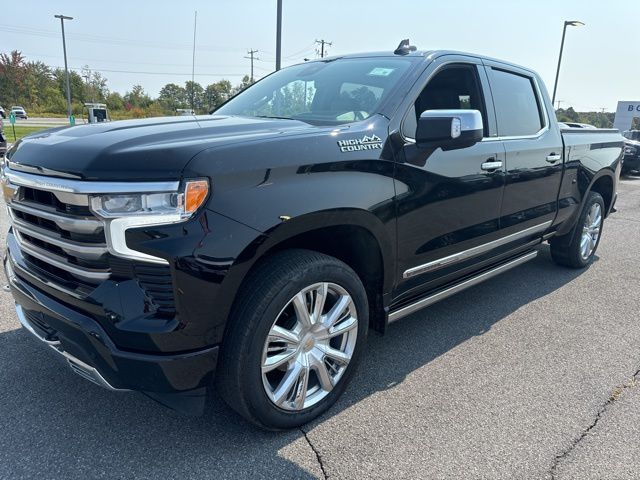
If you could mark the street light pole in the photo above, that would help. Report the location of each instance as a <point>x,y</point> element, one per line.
<point>66,68</point>
<point>572,23</point>
<point>278,34</point>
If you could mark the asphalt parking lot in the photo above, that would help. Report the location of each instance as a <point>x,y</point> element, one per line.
<point>529,375</point>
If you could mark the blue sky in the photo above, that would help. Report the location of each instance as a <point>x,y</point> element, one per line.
<point>149,42</point>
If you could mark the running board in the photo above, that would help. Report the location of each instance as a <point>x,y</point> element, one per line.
<point>441,295</point>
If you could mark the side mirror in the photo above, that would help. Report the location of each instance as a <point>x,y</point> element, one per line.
<point>449,129</point>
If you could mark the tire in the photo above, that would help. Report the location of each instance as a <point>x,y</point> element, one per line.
<point>270,301</point>
<point>569,250</point>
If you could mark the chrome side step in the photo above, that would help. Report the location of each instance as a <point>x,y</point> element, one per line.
<point>436,297</point>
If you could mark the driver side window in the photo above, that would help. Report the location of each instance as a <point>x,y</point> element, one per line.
<point>455,87</point>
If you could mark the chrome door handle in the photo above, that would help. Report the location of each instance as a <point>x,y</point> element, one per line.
<point>554,157</point>
<point>491,165</point>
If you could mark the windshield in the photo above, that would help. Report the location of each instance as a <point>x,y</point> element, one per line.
<point>323,93</point>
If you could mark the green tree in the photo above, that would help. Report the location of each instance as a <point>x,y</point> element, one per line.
<point>217,93</point>
<point>195,95</point>
<point>246,82</point>
<point>136,98</point>
<point>114,101</point>
<point>75,82</point>
<point>172,96</point>
<point>13,75</point>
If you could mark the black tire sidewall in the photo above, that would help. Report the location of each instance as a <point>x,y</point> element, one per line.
<point>257,401</point>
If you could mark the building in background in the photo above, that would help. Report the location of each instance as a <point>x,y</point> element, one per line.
<point>627,116</point>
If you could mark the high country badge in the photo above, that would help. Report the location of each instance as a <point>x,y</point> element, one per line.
<point>367,142</point>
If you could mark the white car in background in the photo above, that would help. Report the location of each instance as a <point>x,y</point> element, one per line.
<point>19,112</point>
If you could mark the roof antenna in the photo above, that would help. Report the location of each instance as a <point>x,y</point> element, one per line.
<point>404,48</point>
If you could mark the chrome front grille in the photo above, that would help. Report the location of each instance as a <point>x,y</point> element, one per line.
<point>63,243</point>
<point>57,228</point>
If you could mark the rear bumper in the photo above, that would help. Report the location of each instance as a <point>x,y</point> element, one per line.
<point>92,354</point>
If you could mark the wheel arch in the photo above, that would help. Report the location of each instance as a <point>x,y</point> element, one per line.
<point>604,183</point>
<point>357,238</point>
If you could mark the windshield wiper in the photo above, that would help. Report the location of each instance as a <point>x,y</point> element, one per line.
<point>271,116</point>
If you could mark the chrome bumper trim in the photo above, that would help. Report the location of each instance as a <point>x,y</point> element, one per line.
<point>78,366</point>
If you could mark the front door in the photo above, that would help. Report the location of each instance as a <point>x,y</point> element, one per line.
<point>448,202</point>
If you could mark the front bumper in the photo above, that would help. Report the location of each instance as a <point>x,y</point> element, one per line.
<point>91,353</point>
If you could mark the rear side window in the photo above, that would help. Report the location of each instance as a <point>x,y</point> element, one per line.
<point>517,105</point>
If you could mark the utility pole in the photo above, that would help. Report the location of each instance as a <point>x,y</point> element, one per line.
<point>86,74</point>
<point>66,68</point>
<point>322,44</point>
<point>559,102</point>
<point>252,53</point>
<point>193,62</point>
<point>278,34</point>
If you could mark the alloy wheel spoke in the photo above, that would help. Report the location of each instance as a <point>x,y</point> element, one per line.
<point>335,354</point>
<point>319,301</point>
<point>301,388</point>
<point>290,380</point>
<point>302,311</point>
<point>584,245</point>
<point>341,328</point>
<point>275,361</point>
<point>324,378</point>
<point>336,313</point>
<point>279,334</point>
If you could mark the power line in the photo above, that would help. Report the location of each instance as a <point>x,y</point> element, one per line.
<point>162,73</point>
<point>163,64</point>
<point>252,57</point>
<point>322,44</point>
<point>126,42</point>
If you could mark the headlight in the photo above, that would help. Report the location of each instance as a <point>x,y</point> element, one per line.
<point>124,211</point>
<point>629,150</point>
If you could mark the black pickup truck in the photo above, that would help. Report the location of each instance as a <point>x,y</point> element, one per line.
<point>253,248</point>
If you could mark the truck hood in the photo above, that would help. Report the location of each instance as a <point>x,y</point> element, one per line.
<point>138,150</point>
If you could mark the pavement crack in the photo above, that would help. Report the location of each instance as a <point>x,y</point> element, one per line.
<point>318,456</point>
<point>613,397</point>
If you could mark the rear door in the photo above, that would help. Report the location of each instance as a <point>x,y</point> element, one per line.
<point>534,151</point>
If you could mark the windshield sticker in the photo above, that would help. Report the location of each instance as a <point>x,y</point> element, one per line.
<point>367,142</point>
<point>381,72</point>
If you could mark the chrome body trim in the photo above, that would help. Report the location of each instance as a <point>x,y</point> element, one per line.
<point>22,318</point>
<point>82,250</point>
<point>77,192</point>
<point>78,366</point>
<point>491,165</point>
<point>473,252</point>
<point>53,184</point>
<point>40,170</point>
<point>60,262</point>
<point>11,265</point>
<point>85,225</point>
<point>430,300</point>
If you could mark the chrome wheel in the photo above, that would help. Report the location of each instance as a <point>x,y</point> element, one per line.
<point>309,346</point>
<point>591,231</point>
